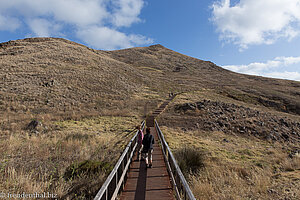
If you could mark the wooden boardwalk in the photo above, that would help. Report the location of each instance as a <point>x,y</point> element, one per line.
<point>149,183</point>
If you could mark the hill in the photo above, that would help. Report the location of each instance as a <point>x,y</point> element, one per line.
<point>183,73</point>
<point>230,149</point>
<point>42,75</point>
<point>87,101</point>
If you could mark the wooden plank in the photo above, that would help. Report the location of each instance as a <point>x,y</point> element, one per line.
<point>151,183</point>
<point>104,190</point>
<point>150,121</point>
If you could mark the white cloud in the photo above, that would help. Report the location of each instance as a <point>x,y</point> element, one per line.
<point>251,22</point>
<point>80,12</point>
<point>106,38</point>
<point>267,68</point>
<point>8,23</point>
<point>289,60</point>
<point>126,12</point>
<point>284,75</point>
<point>76,12</point>
<point>140,40</point>
<point>85,17</point>
<point>43,27</point>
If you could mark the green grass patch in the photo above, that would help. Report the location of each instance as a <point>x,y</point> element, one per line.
<point>86,167</point>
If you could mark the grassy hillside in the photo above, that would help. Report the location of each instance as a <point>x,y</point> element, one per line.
<point>58,79</point>
<point>245,151</point>
<point>86,103</point>
<point>180,73</point>
<point>70,160</point>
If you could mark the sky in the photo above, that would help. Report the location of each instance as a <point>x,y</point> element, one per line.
<point>257,37</point>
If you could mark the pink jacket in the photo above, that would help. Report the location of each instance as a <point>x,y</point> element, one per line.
<point>140,137</point>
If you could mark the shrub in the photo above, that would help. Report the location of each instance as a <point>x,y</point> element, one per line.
<point>78,136</point>
<point>86,167</point>
<point>189,160</point>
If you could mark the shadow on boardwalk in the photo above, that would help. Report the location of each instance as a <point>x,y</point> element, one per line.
<point>151,183</point>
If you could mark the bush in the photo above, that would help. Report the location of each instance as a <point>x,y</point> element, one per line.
<point>86,167</point>
<point>78,136</point>
<point>189,160</point>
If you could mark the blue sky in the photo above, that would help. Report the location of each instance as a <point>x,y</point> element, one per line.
<point>259,37</point>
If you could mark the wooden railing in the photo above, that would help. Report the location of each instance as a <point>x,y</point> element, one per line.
<point>116,179</point>
<point>180,185</point>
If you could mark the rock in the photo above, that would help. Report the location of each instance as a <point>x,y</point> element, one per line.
<point>177,69</point>
<point>185,107</point>
<point>220,123</point>
<point>225,140</point>
<point>283,122</point>
<point>261,123</point>
<point>200,105</point>
<point>295,153</point>
<point>272,191</point>
<point>234,119</point>
<point>285,136</point>
<point>32,125</point>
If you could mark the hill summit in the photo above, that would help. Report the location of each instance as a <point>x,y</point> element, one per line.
<point>54,75</point>
<point>68,111</point>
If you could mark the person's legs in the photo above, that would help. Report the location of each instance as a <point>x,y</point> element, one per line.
<point>146,158</point>
<point>150,157</point>
<point>139,150</point>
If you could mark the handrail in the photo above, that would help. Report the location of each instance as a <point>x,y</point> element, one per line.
<point>180,185</point>
<point>116,178</point>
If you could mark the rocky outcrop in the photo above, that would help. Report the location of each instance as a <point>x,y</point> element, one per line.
<point>231,118</point>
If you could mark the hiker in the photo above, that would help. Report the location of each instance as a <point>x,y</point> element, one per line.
<point>148,142</point>
<point>140,137</point>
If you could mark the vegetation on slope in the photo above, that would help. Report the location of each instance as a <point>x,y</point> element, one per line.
<point>84,99</point>
<point>236,164</point>
<point>71,160</point>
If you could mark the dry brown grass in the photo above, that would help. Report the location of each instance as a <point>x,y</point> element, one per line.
<point>235,167</point>
<point>119,84</point>
<point>57,79</point>
<point>239,169</point>
<point>88,81</point>
<point>37,162</point>
<point>227,183</point>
